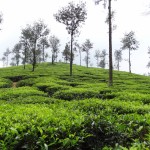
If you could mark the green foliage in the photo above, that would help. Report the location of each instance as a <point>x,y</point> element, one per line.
<point>5,83</point>
<point>73,94</point>
<point>48,109</point>
<point>9,94</point>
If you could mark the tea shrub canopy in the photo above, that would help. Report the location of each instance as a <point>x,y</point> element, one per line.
<point>49,109</point>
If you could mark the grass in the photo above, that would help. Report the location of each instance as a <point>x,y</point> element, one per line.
<point>48,109</point>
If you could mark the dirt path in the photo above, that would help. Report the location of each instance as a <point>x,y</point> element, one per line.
<point>14,84</point>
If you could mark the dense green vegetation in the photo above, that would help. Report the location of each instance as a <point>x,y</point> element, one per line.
<point>50,110</point>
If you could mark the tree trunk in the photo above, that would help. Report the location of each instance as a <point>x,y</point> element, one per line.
<point>43,54</point>
<point>87,60</point>
<point>129,61</point>
<point>7,61</point>
<point>110,47</point>
<point>34,57</point>
<point>25,57</point>
<point>71,54</point>
<point>80,57</point>
<point>118,65</point>
<point>52,59</point>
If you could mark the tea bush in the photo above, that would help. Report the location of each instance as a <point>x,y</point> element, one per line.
<point>49,109</point>
<point>75,93</point>
<point>5,83</point>
<point>9,94</point>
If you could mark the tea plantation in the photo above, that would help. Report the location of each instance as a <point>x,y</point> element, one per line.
<point>49,110</point>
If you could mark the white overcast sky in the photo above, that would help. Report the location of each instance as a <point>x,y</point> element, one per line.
<point>129,16</point>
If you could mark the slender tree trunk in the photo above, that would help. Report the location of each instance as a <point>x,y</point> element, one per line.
<point>129,61</point>
<point>80,56</point>
<point>71,57</point>
<point>24,65</point>
<point>34,57</point>
<point>110,47</point>
<point>43,54</point>
<point>7,60</point>
<point>25,57</point>
<point>52,58</point>
<point>87,60</point>
<point>118,65</point>
<point>33,65</point>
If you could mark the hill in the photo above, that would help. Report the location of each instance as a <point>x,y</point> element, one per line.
<point>49,110</point>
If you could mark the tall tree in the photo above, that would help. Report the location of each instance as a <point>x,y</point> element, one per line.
<point>34,34</point>
<point>118,58</point>
<point>54,43</point>
<point>72,16</point>
<point>16,52</point>
<point>25,42</point>
<point>110,38</point>
<point>129,42</point>
<point>86,47</point>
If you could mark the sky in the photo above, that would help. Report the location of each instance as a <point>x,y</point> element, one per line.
<point>130,16</point>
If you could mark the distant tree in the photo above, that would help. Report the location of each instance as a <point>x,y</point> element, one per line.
<point>103,55</point>
<point>6,54</point>
<point>72,16</point>
<point>66,53</point>
<point>44,45</point>
<point>33,35</point>
<point>97,56</point>
<point>46,56</point>
<point>86,47</point>
<point>118,57</point>
<point>13,62</point>
<point>79,47</point>
<point>110,38</point>
<point>148,65</point>
<point>129,42</point>
<point>25,42</point>
<point>54,43</point>
<point>16,52</point>
<point>3,59</point>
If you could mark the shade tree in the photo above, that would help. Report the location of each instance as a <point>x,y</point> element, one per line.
<point>54,44</point>
<point>25,42</point>
<point>110,36</point>
<point>72,16</point>
<point>16,52</point>
<point>32,36</point>
<point>86,47</point>
<point>129,43</point>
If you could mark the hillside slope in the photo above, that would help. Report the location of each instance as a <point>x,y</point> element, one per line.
<point>48,109</point>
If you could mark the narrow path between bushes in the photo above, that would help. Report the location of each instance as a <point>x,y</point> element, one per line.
<point>14,84</point>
